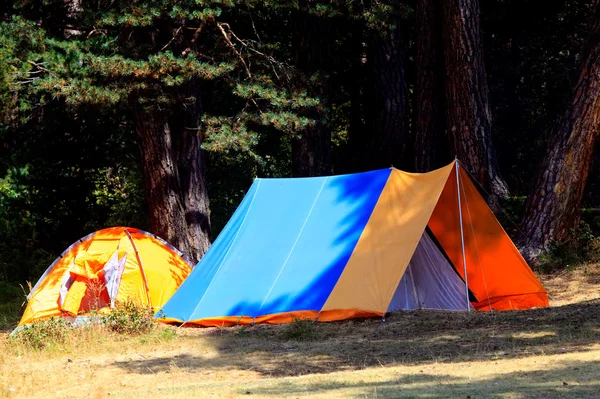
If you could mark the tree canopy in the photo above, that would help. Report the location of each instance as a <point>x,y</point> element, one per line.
<point>147,113</point>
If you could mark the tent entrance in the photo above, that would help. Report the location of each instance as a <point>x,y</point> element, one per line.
<point>429,282</point>
<point>92,283</point>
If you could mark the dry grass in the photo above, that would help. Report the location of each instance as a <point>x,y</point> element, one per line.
<point>570,286</point>
<point>539,353</point>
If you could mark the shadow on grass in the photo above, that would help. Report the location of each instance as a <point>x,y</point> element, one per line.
<point>408,338</point>
<point>573,379</point>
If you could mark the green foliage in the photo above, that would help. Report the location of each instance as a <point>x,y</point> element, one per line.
<point>300,330</point>
<point>116,58</point>
<point>119,192</point>
<point>167,334</point>
<point>580,247</point>
<point>10,292</point>
<point>131,319</point>
<point>17,228</point>
<point>49,200</point>
<point>38,336</point>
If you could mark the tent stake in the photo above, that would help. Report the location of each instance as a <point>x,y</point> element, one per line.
<point>462,237</point>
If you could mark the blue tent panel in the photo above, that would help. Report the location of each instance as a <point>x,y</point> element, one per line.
<point>195,285</point>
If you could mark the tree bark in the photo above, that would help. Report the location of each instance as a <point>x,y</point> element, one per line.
<point>311,153</point>
<point>174,174</point>
<point>468,112</point>
<point>553,207</point>
<point>431,141</point>
<point>388,106</point>
<point>73,14</point>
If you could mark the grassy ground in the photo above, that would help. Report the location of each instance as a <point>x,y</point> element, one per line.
<point>539,353</point>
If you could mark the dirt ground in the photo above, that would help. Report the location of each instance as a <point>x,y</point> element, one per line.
<point>553,352</point>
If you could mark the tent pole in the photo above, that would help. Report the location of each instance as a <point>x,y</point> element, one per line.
<point>462,235</point>
<point>137,255</point>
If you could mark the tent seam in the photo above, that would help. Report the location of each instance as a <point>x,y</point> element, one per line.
<point>357,241</point>
<point>295,242</point>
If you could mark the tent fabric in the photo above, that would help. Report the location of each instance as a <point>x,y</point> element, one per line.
<point>388,241</point>
<point>430,282</point>
<point>497,274</point>
<point>112,265</point>
<point>337,247</point>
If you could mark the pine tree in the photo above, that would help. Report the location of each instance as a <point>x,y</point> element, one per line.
<point>189,77</point>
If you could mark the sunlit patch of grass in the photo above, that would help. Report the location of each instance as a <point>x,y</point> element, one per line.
<point>534,334</point>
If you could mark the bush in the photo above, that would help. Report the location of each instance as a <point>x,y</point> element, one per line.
<point>581,246</point>
<point>300,330</point>
<point>129,318</point>
<point>40,335</point>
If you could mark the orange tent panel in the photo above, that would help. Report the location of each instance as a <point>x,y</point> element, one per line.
<point>497,274</point>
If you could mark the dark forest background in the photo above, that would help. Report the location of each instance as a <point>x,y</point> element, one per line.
<point>159,114</point>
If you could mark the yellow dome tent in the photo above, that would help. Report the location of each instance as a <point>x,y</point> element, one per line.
<point>104,268</point>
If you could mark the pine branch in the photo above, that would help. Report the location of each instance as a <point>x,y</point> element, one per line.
<point>197,32</point>
<point>269,58</point>
<point>173,38</point>
<point>40,67</point>
<point>230,44</point>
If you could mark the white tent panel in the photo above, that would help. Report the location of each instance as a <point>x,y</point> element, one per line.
<point>429,282</point>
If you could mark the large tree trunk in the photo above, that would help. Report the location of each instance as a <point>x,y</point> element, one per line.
<point>388,101</point>
<point>431,142</point>
<point>553,208</point>
<point>311,153</point>
<point>174,174</point>
<point>468,112</point>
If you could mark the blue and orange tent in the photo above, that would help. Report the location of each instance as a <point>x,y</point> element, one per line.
<point>338,247</point>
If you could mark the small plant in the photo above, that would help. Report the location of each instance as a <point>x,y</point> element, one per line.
<point>167,334</point>
<point>40,335</point>
<point>129,318</point>
<point>300,330</point>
